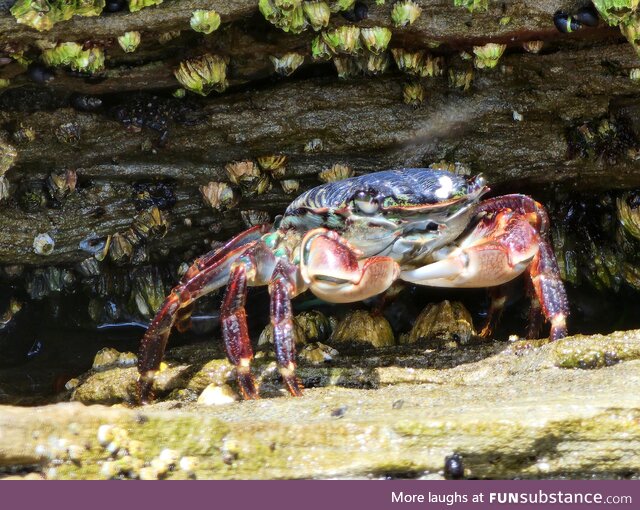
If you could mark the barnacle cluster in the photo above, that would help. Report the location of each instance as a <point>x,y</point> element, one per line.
<point>44,14</point>
<point>335,173</point>
<point>219,195</point>
<point>203,74</point>
<point>413,93</point>
<point>248,176</point>
<point>72,54</point>
<point>487,56</point>
<point>204,21</point>
<point>296,16</point>
<point>354,50</point>
<point>405,13</point>
<point>623,13</point>
<point>596,240</point>
<point>129,41</point>
<point>608,139</point>
<point>418,63</point>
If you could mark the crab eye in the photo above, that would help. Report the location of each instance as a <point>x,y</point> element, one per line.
<point>365,202</point>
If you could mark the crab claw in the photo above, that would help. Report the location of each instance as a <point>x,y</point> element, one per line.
<point>331,269</point>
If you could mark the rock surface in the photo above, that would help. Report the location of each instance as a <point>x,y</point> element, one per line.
<point>508,409</point>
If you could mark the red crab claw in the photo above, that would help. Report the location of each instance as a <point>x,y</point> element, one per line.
<point>509,240</point>
<point>333,272</point>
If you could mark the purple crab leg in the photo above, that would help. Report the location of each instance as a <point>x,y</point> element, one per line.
<point>282,288</point>
<point>235,331</point>
<point>207,274</point>
<point>549,290</point>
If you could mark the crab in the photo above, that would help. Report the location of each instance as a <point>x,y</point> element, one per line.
<point>350,240</point>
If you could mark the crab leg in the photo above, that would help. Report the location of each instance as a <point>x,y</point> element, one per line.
<point>498,300</point>
<point>235,332</point>
<point>282,288</point>
<point>548,287</point>
<point>330,267</point>
<point>204,276</point>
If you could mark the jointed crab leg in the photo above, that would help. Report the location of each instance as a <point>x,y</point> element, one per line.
<point>549,289</point>
<point>205,275</point>
<point>282,288</point>
<point>235,332</point>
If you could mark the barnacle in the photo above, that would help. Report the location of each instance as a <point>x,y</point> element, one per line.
<point>4,188</point>
<point>219,195</point>
<point>407,61</point>
<point>405,13</point>
<point>8,155</point>
<point>628,208</point>
<point>375,39</point>
<point>62,54</point>
<point>147,291</point>
<point>287,15</point>
<point>318,14</point>
<point>150,223</point>
<point>241,171</point>
<point>461,78</point>
<point>341,5</point>
<point>43,244</point>
<point>472,5</point>
<point>288,63</point>
<point>344,39</point>
<point>252,217</point>
<point>121,249</point>
<point>68,133</point>
<point>136,5</point>
<point>203,74</point>
<point>129,41</point>
<point>615,12</point>
<point>290,186</point>
<point>320,50</point>
<point>631,30</point>
<point>38,14</point>
<point>413,93</point>
<point>274,164</point>
<point>61,185</point>
<point>533,46</point>
<point>347,67</point>
<point>375,64</point>
<point>4,83</point>
<point>488,55</point>
<point>204,21</point>
<point>360,326</point>
<point>431,66</point>
<point>442,323</point>
<point>634,74</point>
<point>248,176</point>
<point>24,134</point>
<point>165,37</point>
<point>336,173</point>
<point>71,54</point>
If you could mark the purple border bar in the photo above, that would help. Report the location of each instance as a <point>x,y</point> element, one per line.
<point>314,495</point>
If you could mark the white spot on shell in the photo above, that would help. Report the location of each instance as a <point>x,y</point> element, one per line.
<point>217,395</point>
<point>446,186</point>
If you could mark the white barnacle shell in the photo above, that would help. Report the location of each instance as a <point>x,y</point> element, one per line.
<point>288,63</point>
<point>43,244</point>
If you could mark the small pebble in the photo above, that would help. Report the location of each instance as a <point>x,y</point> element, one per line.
<point>214,395</point>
